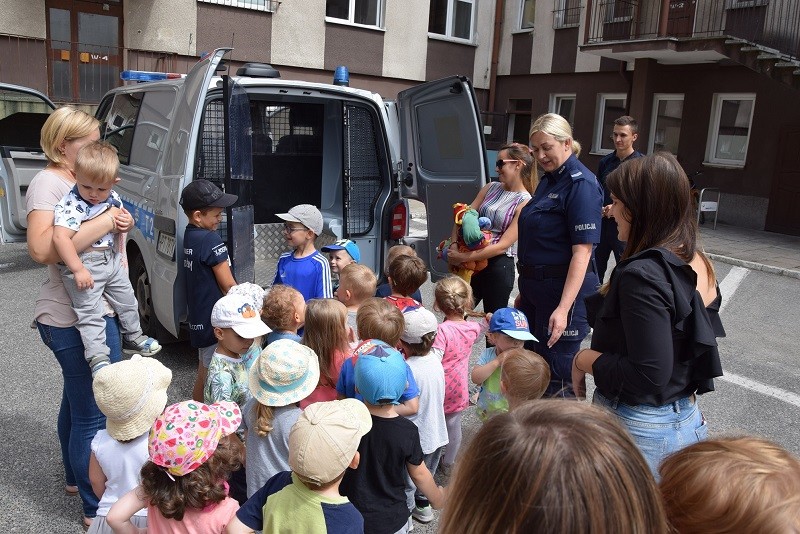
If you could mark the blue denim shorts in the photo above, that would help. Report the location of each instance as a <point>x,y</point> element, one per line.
<point>659,431</point>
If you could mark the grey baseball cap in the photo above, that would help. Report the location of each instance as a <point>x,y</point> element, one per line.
<point>306,214</point>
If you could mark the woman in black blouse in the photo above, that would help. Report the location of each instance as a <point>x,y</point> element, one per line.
<point>655,324</point>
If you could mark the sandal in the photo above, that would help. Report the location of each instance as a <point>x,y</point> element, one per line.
<point>86,522</point>
<point>71,490</point>
<point>146,346</point>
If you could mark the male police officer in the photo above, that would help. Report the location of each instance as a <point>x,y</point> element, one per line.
<point>625,134</point>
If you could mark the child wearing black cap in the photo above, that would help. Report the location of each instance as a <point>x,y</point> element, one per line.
<point>206,267</point>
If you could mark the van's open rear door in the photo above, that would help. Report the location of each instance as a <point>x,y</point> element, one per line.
<point>179,160</point>
<point>443,153</point>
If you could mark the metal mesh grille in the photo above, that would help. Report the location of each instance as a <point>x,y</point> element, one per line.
<point>211,156</point>
<point>362,170</point>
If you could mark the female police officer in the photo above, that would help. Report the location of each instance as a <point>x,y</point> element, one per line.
<point>557,230</point>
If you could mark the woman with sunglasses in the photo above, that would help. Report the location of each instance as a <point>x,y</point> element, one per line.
<point>557,230</point>
<point>501,202</point>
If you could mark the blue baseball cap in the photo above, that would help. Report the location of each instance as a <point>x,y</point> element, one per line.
<point>380,373</point>
<point>345,244</point>
<point>511,322</point>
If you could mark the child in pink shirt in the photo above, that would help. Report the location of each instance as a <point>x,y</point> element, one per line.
<point>453,343</point>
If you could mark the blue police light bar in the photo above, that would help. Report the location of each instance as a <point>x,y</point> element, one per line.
<point>145,76</point>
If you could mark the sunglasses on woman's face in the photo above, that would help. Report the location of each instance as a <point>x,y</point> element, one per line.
<point>500,162</point>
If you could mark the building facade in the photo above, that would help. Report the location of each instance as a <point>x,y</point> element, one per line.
<point>716,82</point>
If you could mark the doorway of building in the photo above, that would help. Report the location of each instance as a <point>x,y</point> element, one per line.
<point>681,18</point>
<point>84,45</point>
<point>782,213</point>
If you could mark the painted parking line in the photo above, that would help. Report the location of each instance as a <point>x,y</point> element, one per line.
<point>731,283</point>
<point>728,287</point>
<point>770,391</point>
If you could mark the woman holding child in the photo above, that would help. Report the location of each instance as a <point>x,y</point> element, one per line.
<point>502,203</point>
<point>64,133</point>
<point>654,345</point>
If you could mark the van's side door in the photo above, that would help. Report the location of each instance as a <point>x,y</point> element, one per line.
<point>23,112</point>
<point>443,156</point>
<point>177,169</point>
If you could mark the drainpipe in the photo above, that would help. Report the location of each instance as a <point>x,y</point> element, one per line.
<point>499,6</point>
<point>663,23</point>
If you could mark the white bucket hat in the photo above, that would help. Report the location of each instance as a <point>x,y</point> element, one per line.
<point>132,394</point>
<point>285,372</point>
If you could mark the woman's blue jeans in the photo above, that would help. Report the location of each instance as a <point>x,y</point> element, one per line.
<point>658,431</point>
<point>79,418</point>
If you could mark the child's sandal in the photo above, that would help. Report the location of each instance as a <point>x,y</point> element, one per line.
<point>146,346</point>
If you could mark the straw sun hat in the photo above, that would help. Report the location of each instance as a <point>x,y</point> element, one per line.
<point>132,394</point>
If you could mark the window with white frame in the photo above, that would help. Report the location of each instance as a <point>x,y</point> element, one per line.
<point>566,14</point>
<point>665,125</point>
<point>452,18</point>
<point>564,105</point>
<point>729,129</point>
<point>255,5</point>
<point>610,107</point>
<point>363,12</point>
<point>527,13</point>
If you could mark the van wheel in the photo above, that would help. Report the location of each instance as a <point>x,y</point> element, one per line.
<point>141,288</point>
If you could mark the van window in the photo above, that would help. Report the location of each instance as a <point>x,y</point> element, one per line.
<point>152,127</point>
<point>120,123</point>
<point>22,116</point>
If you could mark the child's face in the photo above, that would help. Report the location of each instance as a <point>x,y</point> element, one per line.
<point>503,342</point>
<point>208,218</point>
<point>339,260</point>
<point>94,192</point>
<point>296,234</point>
<point>231,343</point>
<point>299,310</point>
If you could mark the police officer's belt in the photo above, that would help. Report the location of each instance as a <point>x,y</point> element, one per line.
<point>543,272</point>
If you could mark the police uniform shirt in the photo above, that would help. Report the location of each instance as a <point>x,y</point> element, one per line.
<point>609,163</point>
<point>565,210</point>
<point>203,250</point>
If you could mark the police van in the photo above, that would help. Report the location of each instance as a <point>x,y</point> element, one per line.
<point>277,143</point>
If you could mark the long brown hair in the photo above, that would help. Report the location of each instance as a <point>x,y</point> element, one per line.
<point>552,466</point>
<point>203,486</point>
<point>326,333</point>
<point>522,153</point>
<point>657,197</point>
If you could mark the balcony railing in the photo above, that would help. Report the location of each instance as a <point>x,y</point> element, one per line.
<point>770,23</point>
<point>77,73</point>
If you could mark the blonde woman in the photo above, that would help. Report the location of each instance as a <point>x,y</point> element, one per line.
<point>557,230</point>
<point>64,133</point>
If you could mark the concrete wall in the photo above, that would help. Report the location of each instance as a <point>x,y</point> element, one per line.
<point>484,36</point>
<point>298,34</point>
<point>406,39</point>
<point>161,26</point>
<point>24,17</point>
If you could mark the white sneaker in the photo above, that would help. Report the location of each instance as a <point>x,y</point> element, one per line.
<point>423,514</point>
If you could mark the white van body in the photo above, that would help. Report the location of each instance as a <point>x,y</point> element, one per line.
<point>348,151</point>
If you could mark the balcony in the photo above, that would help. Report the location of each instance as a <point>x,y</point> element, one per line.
<point>692,31</point>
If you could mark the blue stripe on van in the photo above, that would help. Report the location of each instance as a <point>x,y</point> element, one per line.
<point>142,217</point>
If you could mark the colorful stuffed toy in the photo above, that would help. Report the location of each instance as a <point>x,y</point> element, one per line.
<point>473,235</point>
